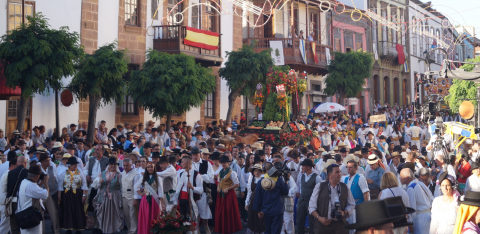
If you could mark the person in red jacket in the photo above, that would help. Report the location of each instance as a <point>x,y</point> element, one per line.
<point>462,168</point>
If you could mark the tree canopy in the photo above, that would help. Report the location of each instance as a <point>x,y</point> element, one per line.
<point>462,89</point>
<point>100,79</point>
<point>243,71</point>
<point>170,84</point>
<point>347,73</point>
<point>36,57</point>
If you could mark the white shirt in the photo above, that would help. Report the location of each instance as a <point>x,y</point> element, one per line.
<point>4,167</point>
<point>444,216</point>
<point>362,182</point>
<point>420,197</point>
<point>169,172</point>
<point>3,187</point>
<point>96,170</point>
<point>396,192</point>
<point>249,187</point>
<point>182,185</point>
<point>312,205</point>
<point>208,178</point>
<point>472,184</point>
<point>138,186</point>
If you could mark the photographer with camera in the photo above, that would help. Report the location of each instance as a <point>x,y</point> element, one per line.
<point>306,183</point>
<point>331,203</point>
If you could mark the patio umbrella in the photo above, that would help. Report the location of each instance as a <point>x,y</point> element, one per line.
<point>328,107</point>
<point>313,109</point>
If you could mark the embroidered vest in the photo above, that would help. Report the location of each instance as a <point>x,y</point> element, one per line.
<point>226,181</point>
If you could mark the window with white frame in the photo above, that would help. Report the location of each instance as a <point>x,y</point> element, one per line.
<point>14,11</point>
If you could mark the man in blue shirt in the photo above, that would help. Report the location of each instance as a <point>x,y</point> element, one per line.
<point>129,140</point>
<point>374,176</point>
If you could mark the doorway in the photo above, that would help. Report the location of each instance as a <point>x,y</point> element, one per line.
<point>13,106</point>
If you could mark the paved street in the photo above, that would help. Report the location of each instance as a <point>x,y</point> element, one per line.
<point>50,231</point>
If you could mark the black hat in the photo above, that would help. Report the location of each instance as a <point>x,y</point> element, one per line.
<point>43,157</point>
<point>214,122</point>
<point>176,151</point>
<point>185,152</point>
<point>274,150</point>
<point>224,159</point>
<point>32,150</point>
<point>156,155</point>
<point>71,146</point>
<point>195,150</point>
<point>72,161</point>
<point>112,160</point>
<point>396,210</point>
<point>215,156</point>
<point>259,152</point>
<point>471,198</point>
<point>338,157</point>
<point>73,125</point>
<point>307,162</point>
<point>80,140</point>
<point>474,166</point>
<point>410,165</point>
<point>147,145</point>
<point>163,159</point>
<point>198,133</point>
<point>256,159</point>
<point>364,150</point>
<point>11,155</point>
<point>343,150</point>
<point>398,201</point>
<point>372,213</point>
<point>35,169</point>
<point>120,137</point>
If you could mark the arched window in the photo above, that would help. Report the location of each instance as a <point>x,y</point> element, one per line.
<point>386,86</point>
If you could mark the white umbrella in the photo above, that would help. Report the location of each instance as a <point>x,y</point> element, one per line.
<point>329,107</point>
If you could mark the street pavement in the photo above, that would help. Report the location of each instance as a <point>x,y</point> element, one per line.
<point>48,227</point>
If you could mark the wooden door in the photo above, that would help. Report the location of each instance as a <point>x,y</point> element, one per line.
<point>314,21</point>
<point>268,27</point>
<point>13,105</point>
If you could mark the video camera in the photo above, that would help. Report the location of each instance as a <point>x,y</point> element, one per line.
<point>279,169</point>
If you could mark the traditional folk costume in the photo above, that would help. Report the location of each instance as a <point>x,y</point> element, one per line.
<point>28,194</point>
<point>227,215</point>
<point>288,222</point>
<point>204,168</point>
<point>269,200</point>
<point>169,178</point>
<point>306,185</point>
<point>466,211</point>
<point>71,184</point>
<point>108,202</point>
<point>421,200</point>
<point>187,201</point>
<point>358,186</point>
<point>128,196</point>
<point>150,205</point>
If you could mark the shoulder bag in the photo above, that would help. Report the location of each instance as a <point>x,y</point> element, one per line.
<point>9,200</point>
<point>28,218</point>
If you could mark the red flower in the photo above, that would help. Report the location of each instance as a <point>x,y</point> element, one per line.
<point>194,224</point>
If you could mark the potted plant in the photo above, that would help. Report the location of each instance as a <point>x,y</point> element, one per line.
<point>168,223</point>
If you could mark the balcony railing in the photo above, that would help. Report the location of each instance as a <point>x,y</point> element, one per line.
<point>292,55</point>
<point>169,38</point>
<point>387,50</point>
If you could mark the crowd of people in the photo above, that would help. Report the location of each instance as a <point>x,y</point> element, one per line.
<point>354,176</point>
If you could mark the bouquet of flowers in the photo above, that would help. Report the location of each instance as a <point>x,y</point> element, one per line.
<point>258,99</point>
<point>302,85</point>
<point>168,222</point>
<point>282,101</point>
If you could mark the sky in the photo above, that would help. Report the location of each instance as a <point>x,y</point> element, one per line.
<point>460,12</point>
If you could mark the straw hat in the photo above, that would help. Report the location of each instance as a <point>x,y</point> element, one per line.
<point>327,163</point>
<point>357,153</point>
<point>57,145</point>
<point>205,151</point>
<point>67,155</point>
<point>257,145</point>
<point>372,159</point>
<point>349,158</point>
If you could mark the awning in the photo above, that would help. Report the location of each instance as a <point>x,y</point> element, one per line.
<point>6,92</point>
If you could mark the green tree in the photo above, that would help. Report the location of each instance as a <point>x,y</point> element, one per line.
<point>100,79</point>
<point>243,71</point>
<point>462,89</point>
<point>347,73</point>
<point>36,57</point>
<point>170,84</point>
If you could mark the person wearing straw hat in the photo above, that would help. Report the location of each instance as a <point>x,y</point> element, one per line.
<point>420,199</point>
<point>306,183</point>
<point>374,176</point>
<point>468,216</point>
<point>395,162</point>
<point>330,204</point>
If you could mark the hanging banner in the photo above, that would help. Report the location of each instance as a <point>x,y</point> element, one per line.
<point>378,118</point>
<point>327,55</point>
<point>277,53</point>
<point>301,46</point>
<point>314,46</point>
<point>281,89</point>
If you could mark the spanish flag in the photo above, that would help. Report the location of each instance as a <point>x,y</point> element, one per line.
<point>201,38</point>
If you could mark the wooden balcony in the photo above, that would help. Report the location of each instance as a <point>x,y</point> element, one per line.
<point>291,52</point>
<point>170,38</point>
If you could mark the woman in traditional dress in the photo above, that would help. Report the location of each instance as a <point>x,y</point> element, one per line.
<point>444,208</point>
<point>151,192</point>
<point>108,202</point>
<point>227,216</point>
<point>72,193</point>
<point>254,224</point>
